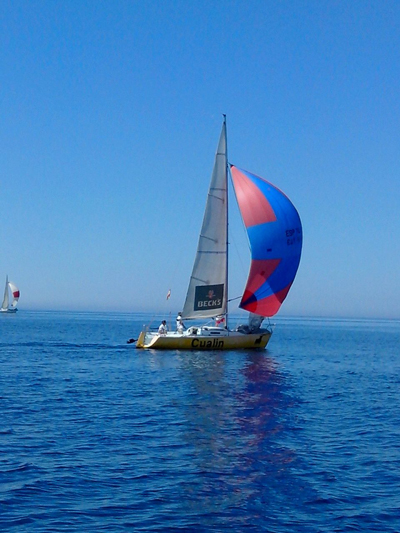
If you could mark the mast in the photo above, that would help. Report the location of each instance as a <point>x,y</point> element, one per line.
<point>227,224</point>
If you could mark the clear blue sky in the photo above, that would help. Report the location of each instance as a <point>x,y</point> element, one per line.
<point>110,117</point>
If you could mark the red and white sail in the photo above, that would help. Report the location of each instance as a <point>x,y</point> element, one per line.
<point>15,292</point>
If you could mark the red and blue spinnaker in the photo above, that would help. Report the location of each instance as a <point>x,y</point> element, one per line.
<point>275,234</point>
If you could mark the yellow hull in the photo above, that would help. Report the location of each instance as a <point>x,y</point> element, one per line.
<point>232,341</point>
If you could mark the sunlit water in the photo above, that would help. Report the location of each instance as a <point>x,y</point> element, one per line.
<point>98,436</point>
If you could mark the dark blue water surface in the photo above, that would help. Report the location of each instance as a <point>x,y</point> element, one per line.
<point>98,436</point>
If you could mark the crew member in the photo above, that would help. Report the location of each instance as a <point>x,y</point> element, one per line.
<point>162,330</point>
<point>180,326</point>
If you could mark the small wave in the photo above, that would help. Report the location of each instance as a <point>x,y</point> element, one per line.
<point>23,467</point>
<point>7,524</point>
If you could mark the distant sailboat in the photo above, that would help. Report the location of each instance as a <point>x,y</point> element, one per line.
<point>275,235</point>
<point>5,306</point>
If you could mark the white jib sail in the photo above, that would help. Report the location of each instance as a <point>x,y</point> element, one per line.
<point>206,296</point>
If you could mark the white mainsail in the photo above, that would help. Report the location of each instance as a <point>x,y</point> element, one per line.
<point>6,301</point>
<point>207,292</point>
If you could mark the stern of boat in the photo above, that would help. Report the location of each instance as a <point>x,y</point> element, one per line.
<point>141,340</point>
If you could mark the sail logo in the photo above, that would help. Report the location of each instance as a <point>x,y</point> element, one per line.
<point>293,236</point>
<point>208,297</point>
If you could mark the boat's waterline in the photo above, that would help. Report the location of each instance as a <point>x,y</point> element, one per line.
<point>231,341</point>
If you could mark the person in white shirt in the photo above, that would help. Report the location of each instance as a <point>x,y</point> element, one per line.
<point>180,326</point>
<point>162,330</point>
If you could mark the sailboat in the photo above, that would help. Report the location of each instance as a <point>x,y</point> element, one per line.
<point>275,236</point>
<point>5,306</point>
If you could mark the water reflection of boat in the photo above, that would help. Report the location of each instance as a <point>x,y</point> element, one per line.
<point>239,418</point>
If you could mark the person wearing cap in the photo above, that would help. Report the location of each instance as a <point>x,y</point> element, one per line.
<point>180,326</point>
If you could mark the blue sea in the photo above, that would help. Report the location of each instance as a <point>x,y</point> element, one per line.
<point>98,436</point>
